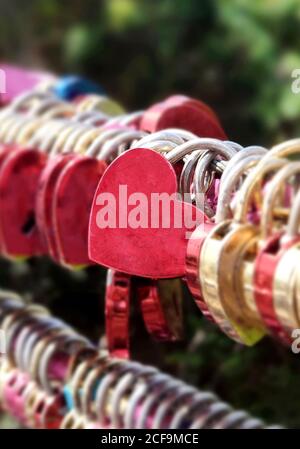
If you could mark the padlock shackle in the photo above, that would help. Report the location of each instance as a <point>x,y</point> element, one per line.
<point>26,98</point>
<point>84,140</point>
<point>272,192</point>
<point>292,229</point>
<point>71,139</point>
<point>100,103</point>
<point>46,136</point>
<point>61,141</point>
<point>246,192</point>
<point>213,145</point>
<point>164,141</point>
<point>12,129</point>
<point>88,385</point>
<point>95,147</point>
<point>235,169</point>
<point>131,117</point>
<point>285,149</point>
<point>23,134</point>
<point>113,145</point>
<point>251,150</point>
<point>65,110</point>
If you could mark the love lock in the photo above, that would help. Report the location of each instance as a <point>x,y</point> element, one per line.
<point>161,306</point>
<point>48,411</point>
<point>121,236</point>
<point>223,254</point>
<point>117,310</point>
<point>275,266</point>
<point>12,392</point>
<point>43,202</point>
<point>75,186</point>
<point>184,113</point>
<point>234,172</point>
<point>18,175</point>
<point>286,277</point>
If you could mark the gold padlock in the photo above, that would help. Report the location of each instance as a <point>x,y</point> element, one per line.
<point>221,263</point>
<point>286,293</point>
<point>261,261</point>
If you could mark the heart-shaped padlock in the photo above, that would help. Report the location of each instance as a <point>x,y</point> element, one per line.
<point>147,240</point>
<point>183,112</point>
<point>18,177</point>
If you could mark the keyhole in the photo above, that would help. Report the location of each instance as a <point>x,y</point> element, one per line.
<point>29,223</point>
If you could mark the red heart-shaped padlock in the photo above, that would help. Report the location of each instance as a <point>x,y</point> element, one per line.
<point>130,229</point>
<point>182,112</point>
<point>18,179</point>
<point>44,200</point>
<point>72,199</point>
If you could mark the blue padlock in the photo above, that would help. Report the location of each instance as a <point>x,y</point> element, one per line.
<point>70,86</point>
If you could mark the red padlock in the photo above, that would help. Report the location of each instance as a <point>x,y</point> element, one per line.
<point>272,249</point>
<point>156,248</point>
<point>117,309</point>
<point>19,173</point>
<point>185,113</point>
<point>71,203</point>
<point>161,307</point>
<point>193,254</point>
<point>74,193</point>
<point>44,202</point>
<point>48,411</point>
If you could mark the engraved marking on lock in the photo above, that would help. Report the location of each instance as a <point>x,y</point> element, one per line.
<point>2,81</point>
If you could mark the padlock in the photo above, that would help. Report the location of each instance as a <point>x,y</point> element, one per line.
<point>73,392</point>
<point>70,86</point>
<point>184,113</point>
<point>88,391</point>
<point>161,307</point>
<point>12,393</point>
<point>286,276</point>
<point>104,391</point>
<point>221,263</point>
<point>18,176</point>
<point>43,202</point>
<point>47,411</point>
<point>155,251</point>
<point>268,267</point>
<point>235,170</point>
<point>98,103</point>
<point>19,173</point>
<point>120,397</point>
<point>49,362</point>
<point>117,310</point>
<point>19,80</point>
<point>76,185</point>
<point>32,170</point>
<point>32,396</point>
<point>241,161</point>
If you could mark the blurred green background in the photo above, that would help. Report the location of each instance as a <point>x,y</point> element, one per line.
<point>238,56</point>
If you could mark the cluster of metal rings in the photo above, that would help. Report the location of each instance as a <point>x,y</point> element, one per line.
<point>51,377</point>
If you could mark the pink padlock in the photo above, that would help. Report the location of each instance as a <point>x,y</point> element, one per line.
<point>14,81</point>
<point>13,398</point>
